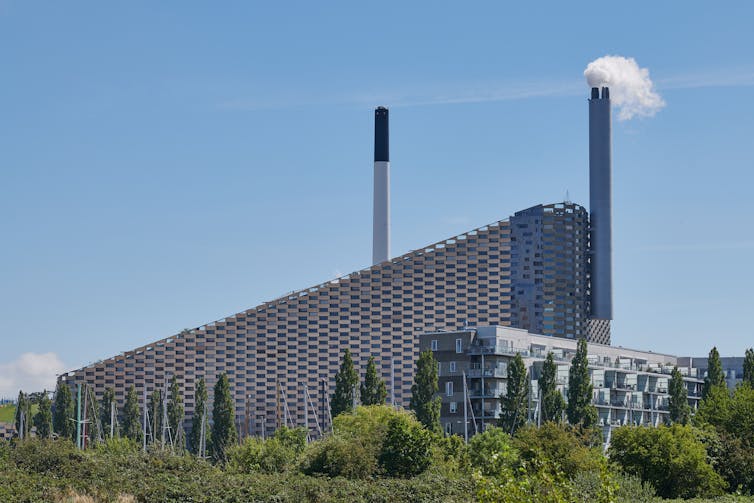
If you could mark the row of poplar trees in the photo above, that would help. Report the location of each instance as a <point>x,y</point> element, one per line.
<point>58,418</point>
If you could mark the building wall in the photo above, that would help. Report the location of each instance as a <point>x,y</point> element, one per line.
<point>550,270</point>
<point>630,386</point>
<point>299,339</point>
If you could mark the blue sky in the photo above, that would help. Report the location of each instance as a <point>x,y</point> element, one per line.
<point>165,165</point>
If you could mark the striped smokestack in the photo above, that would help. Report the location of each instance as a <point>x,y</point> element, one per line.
<point>381,216</point>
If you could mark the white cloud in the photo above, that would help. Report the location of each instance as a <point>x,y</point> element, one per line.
<point>30,372</point>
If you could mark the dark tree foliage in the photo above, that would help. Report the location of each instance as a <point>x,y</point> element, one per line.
<point>514,404</point>
<point>43,417</point>
<point>23,415</point>
<point>680,411</point>
<point>551,400</point>
<point>423,400</point>
<point>715,374</point>
<point>580,409</point>
<point>406,451</point>
<point>155,416</point>
<point>749,367</point>
<point>63,412</point>
<point>108,397</point>
<point>176,414</point>
<point>346,380</point>
<point>224,433</point>
<point>373,390</point>
<point>200,406</point>
<point>132,427</point>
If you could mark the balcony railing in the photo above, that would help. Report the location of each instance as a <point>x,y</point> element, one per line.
<point>493,372</point>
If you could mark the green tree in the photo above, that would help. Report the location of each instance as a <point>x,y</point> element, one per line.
<point>715,374</point>
<point>680,412</point>
<point>671,458</point>
<point>580,409</point>
<point>346,380</point>
<point>423,400</point>
<point>155,416</point>
<point>132,428</point>
<point>406,451</point>
<point>550,399</point>
<point>200,413</point>
<point>43,417</point>
<point>223,420</point>
<point>108,397</point>
<point>23,415</point>
<point>63,412</point>
<point>492,451</point>
<point>514,405</point>
<point>176,414</point>
<point>373,390</point>
<point>749,367</point>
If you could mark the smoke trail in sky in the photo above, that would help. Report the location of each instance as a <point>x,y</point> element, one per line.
<point>631,89</point>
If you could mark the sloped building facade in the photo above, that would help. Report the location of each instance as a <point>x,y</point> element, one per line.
<point>271,351</point>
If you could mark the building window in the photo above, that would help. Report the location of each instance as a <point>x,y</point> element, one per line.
<point>433,345</point>
<point>449,388</point>
<point>448,428</point>
<point>452,367</point>
<point>453,407</point>
<point>459,346</point>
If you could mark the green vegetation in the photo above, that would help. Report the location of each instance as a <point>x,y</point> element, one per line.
<point>715,376</point>
<point>200,408</point>
<point>680,412</point>
<point>373,390</point>
<point>379,453</point>
<point>552,400</point>
<point>424,403</point>
<point>580,409</point>
<point>224,433</point>
<point>7,413</point>
<point>514,404</point>
<point>131,427</point>
<point>63,412</point>
<point>346,381</point>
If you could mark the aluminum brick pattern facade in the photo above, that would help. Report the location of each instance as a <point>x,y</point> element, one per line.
<point>300,338</point>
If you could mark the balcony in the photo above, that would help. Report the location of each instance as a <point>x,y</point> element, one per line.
<point>492,393</point>
<point>499,373</point>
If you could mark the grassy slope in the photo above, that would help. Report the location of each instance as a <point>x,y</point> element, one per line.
<point>7,413</point>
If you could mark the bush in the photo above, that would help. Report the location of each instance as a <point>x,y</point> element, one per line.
<point>672,459</point>
<point>406,450</point>
<point>563,447</point>
<point>339,456</point>
<point>257,455</point>
<point>492,450</point>
<point>631,489</point>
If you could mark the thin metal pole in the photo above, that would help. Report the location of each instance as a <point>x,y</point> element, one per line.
<point>306,415</point>
<point>84,429</point>
<point>144,426</point>
<point>465,412</point>
<point>392,382</point>
<point>112,418</point>
<point>324,395</point>
<point>78,416</point>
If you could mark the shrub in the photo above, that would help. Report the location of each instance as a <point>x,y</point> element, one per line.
<point>339,456</point>
<point>631,489</point>
<point>256,455</point>
<point>563,447</point>
<point>671,458</point>
<point>492,450</point>
<point>406,450</point>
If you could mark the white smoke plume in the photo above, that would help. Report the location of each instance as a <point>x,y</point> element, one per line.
<point>631,89</point>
